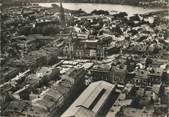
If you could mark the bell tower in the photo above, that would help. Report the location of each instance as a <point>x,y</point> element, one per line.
<point>62,15</point>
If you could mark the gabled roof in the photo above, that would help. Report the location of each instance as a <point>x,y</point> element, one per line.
<point>91,100</point>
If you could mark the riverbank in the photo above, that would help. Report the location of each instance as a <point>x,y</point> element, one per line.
<point>121,2</point>
<point>89,7</point>
<point>141,4</point>
<point>138,3</point>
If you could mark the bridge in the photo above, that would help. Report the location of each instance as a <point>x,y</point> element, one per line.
<point>163,12</point>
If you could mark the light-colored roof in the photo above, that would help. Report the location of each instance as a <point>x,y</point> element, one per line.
<point>90,41</point>
<point>102,67</point>
<point>156,88</point>
<point>87,65</point>
<point>82,106</point>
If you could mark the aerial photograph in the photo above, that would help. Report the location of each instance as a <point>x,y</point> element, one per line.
<point>84,58</point>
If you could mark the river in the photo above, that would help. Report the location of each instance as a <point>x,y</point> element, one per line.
<point>88,7</point>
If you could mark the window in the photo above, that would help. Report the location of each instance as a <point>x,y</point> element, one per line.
<point>97,99</point>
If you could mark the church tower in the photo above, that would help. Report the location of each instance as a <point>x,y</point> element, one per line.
<point>62,14</point>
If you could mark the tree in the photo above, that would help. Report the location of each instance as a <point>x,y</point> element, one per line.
<point>55,6</point>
